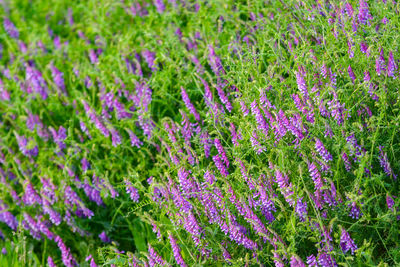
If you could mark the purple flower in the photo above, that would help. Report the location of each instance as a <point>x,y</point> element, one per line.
<point>347,243</point>
<point>323,152</point>
<point>355,212</point>
<point>301,209</point>
<point>84,129</point>
<point>221,151</point>
<point>363,12</point>
<point>215,62</point>
<point>85,164</point>
<point>35,81</point>
<point>32,226</point>
<point>50,262</point>
<point>312,261</point>
<point>390,202</point>
<point>31,196</point>
<point>301,83</point>
<point>385,164</point>
<point>257,147</point>
<point>10,28</point>
<point>104,238</point>
<point>66,256</point>
<point>115,138</point>
<point>295,261</point>
<point>135,141</point>
<point>154,258</point>
<point>159,4</point>
<point>92,193</point>
<point>364,48</point>
<point>59,137</point>
<point>326,260</point>
<point>189,104</point>
<point>262,124</point>
<point>7,217</point>
<point>58,78</point>
<point>224,99</point>
<point>132,191</point>
<point>315,175</point>
<point>392,67</point>
<point>234,135</point>
<point>150,57</point>
<point>351,74</point>
<point>346,161</point>
<point>220,166</point>
<point>176,250</point>
<point>244,108</point>
<point>380,64</point>
<point>93,57</point>
<point>192,226</point>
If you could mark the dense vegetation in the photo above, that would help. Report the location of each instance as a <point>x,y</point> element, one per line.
<point>189,133</point>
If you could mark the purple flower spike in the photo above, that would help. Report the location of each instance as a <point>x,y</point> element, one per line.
<point>104,238</point>
<point>323,152</point>
<point>7,217</point>
<point>363,12</point>
<point>50,262</point>
<point>351,74</point>
<point>135,141</point>
<point>215,62</point>
<point>385,164</point>
<point>347,243</point>
<point>312,261</point>
<point>176,250</point>
<point>315,175</point>
<point>301,209</point>
<point>132,191</point>
<point>58,78</point>
<point>150,57</point>
<point>189,104</point>
<point>392,67</point>
<point>154,258</point>
<point>301,83</point>
<point>159,4</point>
<point>220,166</point>
<point>10,28</point>
<point>221,151</point>
<point>355,212</point>
<point>259,117</point>
<point>390,202</point>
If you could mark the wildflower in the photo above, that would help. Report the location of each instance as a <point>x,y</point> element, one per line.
<point>384,162</point>
<point>355,212</point>
<point>10,28</point>
<point>315,175</point>
<point>189,104</point>
<point>220,166</point>
<point>392,67</point>
<point>50,262</point>
<point>154,258</point>
<point>346,242</point>
<point>7,217</point>
<point>150,57</point>
<point>301,209</point>
<point>363,12</point>
<point>104,238</point>
<point>262,124</point>
<point>58,78</point>
<point>176,251</point>
<point>215,62</point>
<point>351,74</point>
<point>390,202</point>
<point>301,83</point>
<point>323,152</point>
<point>159,4</point>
